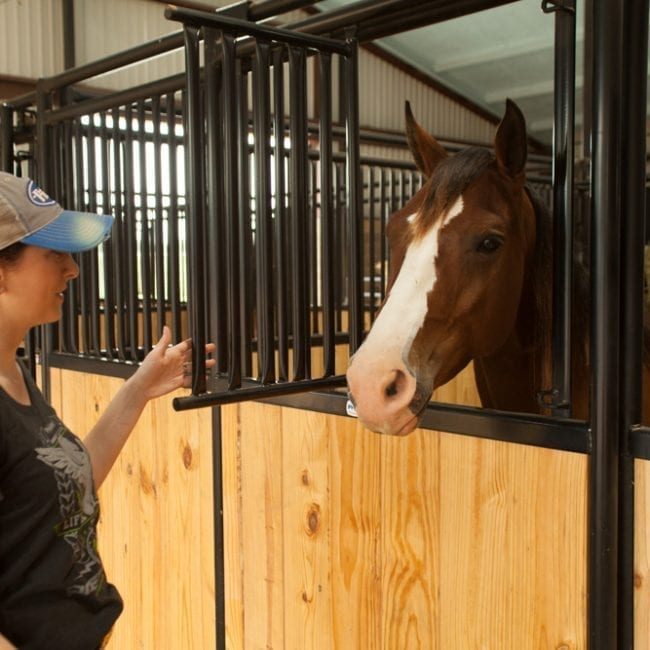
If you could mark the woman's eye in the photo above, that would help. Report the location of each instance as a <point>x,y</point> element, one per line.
<point>489,244</point>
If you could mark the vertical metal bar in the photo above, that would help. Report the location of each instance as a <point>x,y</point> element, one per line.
<point>563,150</point>
<point>107,208</point>
<point>91,256</point>
<point>353,198</point>
<point>173,264</point>
<point>215,223</point>
<point>633,211</point>
<point>603,585</point>
<point>327,213</point>
<point>130,281</point>
<point>117,244</point>
<point>6,138</point>
<point>283,286</point>
<point>264,224</point>
<point>382,231</point>
<point>299,211</point>
<point>234,158</point>
<point>245,237</point>
<point>372,249</point>
<point>73,192</point>
<point>158,224</point>
<point>219,545</point>
<point>145,242</point>
<point>195,207</point>
<point>339,245</point>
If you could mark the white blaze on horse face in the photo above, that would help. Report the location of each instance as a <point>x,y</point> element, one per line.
<point>406,307</point>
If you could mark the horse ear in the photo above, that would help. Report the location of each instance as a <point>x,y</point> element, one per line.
<point>426,150</point>
<point>510,142</point>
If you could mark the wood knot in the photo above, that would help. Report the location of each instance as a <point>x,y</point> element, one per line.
<point>147,485</point>
<point>187,456</point>
<point>305,477</point>
<point>638,581</point>
<point>313,519</point>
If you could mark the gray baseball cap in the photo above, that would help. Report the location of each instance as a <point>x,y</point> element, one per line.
<point>29,215</point>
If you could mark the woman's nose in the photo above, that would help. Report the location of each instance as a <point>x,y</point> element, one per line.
<point>71,267</point>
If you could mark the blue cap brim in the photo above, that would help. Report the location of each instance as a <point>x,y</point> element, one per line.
<point>72,232</point>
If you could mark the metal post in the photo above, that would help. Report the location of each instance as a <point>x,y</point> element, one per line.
<point>603,587</point>
<point>195,204</point>
<point>353,198</point>
<point>563,149</point>
<point>633,210</point>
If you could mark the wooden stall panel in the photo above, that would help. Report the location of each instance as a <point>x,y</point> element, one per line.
<point>642,555</point>
<point>346,539</point>
<point>156,532</point>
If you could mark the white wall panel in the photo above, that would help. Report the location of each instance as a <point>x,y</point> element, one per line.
<point>383,89</point>
<point>32,33</point>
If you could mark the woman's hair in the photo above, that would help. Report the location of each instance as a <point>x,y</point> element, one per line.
<point>11,254</point>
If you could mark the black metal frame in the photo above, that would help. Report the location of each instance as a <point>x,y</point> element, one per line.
<point>612,438</point>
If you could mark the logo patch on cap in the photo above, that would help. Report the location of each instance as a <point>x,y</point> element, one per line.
<point>37,196</point>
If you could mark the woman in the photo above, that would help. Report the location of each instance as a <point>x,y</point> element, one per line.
<point>53,590</point>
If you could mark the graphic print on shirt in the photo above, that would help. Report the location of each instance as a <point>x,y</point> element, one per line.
<point>77,501</point>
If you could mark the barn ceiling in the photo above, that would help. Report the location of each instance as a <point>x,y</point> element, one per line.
<point>491,55</point>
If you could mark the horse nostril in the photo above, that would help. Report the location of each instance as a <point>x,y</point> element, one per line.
<point>396,383</point>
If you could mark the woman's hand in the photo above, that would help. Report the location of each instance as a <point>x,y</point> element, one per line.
<point>167,367</point>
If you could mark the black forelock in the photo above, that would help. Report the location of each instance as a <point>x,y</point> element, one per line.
<point>454,175</point>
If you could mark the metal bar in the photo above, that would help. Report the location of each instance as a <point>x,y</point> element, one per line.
<point>117,243</point>
<point>299,212</point>
<point>195,208</point>
<point>603,587</point>
<point>232,164</point>
<point>563,148</point>
<point>633,211</point>
<point>270,8</point>
<point>158,225</point>
<point>640,442</point>
<point>245,237</point>
<point>108,268</point>
<point>353,199</point>
<point>144,244</point>
<point>385,17</point>
<point>259,392</point>
<point>173,272</point>
<point>130,225</point>
<point>263,216</point>
<point>94,315</point>
<point>6,137</point>
<point>114,61</point>
<point>283,287</point>
<point>218,524</point>
<point>216,310</point>
<point>196,18</point>
<point>326,212</point>
<point>106,102</point>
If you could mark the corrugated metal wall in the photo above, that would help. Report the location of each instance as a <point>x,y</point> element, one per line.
<point>32,37</point>
<point>32,47</point>
<point>383,88</point>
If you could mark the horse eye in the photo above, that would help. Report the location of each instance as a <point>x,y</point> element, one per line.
<point>489,244</point>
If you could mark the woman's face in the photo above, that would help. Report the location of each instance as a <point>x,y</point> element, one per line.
<point>31,288</point>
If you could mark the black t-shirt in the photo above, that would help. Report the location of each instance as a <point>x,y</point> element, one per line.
<point>53,589</point>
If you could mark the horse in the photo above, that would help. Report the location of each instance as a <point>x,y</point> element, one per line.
<point>470,280</point>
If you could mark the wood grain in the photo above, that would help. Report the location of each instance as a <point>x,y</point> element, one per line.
<point>338,538</point>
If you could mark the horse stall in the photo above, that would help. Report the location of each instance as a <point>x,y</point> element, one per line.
<point>251,210</point>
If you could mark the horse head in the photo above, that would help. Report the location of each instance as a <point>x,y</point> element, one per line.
<point>459,261</point>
